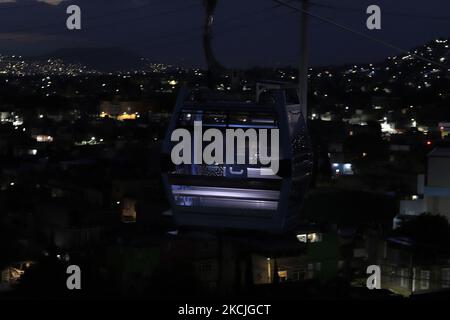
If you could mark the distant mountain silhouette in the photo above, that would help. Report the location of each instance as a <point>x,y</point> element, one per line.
<point>102,59</point>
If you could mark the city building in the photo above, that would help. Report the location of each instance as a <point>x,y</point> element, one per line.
<point>433,189</point>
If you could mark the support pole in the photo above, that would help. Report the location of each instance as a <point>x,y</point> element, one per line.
<point>303,67</point>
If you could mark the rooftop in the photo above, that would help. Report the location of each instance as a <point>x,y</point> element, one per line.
<point>440,152</point>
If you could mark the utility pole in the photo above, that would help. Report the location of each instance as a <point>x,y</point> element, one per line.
<point>303,66</point>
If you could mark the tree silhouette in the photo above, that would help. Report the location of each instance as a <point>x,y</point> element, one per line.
<point>427,230</point>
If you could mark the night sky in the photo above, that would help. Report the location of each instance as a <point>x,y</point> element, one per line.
<point>248,32</point>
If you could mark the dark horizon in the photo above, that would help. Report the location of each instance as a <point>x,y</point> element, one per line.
<point>246,34</point>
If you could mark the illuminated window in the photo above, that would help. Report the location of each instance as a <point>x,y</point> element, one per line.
<point>309,237</point>
<point>404,276</point>
<point>195,196</point>
<point>129,211</point>
<point>126,116</point>
<point>348,168</point>
<point>205,268</point>
<point>314,237</point>
<point>425,279</point>
<point>282,275</point>
<point>43,138</point>
<point>445,278</point>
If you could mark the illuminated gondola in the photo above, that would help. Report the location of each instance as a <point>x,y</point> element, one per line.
<point>222,196</point>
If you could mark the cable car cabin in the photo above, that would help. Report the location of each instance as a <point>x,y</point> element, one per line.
<point>247,196</point>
